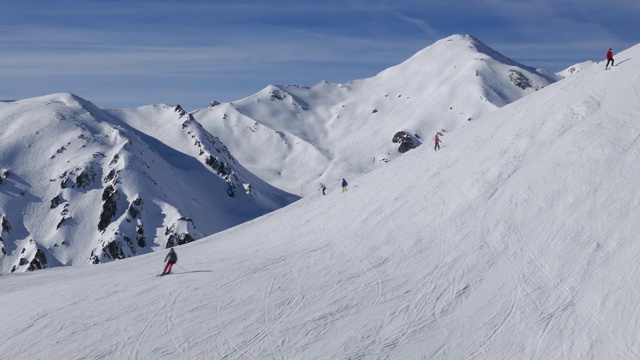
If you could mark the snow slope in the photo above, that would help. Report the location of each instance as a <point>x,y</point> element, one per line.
<point>80,184</point>
<point>517,240</point>
<point>307,135</point>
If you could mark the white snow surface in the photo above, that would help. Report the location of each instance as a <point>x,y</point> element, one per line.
<point>60,155</point>
<point>517,240</point>
<point>327,132</point>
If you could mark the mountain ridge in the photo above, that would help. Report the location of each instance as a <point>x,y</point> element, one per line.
<point>518,239</point>
<point>443,86</point>
<point>91,187</point>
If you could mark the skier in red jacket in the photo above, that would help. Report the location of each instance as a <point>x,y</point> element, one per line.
<point>609,58</point>
<point>437,140</point>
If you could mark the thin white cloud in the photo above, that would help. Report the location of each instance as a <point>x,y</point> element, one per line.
<point>428,30</point>
<point>208,44</point>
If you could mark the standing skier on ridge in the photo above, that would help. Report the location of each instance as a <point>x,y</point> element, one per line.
<point>171,259</point>
<point>609,58</point>
<point>437,140</point>
<point>344,185</point>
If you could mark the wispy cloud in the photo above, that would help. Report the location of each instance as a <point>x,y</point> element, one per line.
<point>224,48</point>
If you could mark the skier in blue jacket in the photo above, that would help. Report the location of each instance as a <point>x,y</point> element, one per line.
<point>344,185</point>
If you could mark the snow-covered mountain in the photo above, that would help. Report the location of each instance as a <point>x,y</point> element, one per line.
<point>517,240</point>
<point>79,184</point>
<point>295,137</point>
<point>78,178</point>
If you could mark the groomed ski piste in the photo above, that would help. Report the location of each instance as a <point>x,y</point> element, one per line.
<point>517,240</point>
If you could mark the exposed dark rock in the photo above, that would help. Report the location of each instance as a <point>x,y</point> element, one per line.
<point>178,239</point>
<point>142,241</point>
<point>406,146</point>
<point>6,173</point>
<point>109,208</point>
<point>519,79</point>
<point>55,202</point>
<point>115,159</point>
<point>114,250</point>
<point>180,110</point>
<point>39,261</point>
<point>224,171</point>
<point>2,247</point>
<point>135,208</point>
<point>220,167</point>
<point>277,95</point>
<point>405,140</point>
<point>65,180</point>
<point>5,224</point>
<point>85,178</point>
<point>112,175</point>
<point>93,258</point>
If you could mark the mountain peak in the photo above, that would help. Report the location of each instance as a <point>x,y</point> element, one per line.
<point>350,128</point>
<point>518,239</point>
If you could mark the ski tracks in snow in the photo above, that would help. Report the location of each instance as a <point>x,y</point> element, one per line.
<point>277,305</point>
<point>130,346</point>
<point>131,342</point>
<point>366,265</point>
<point>274,315</point>
<point>172,320</point>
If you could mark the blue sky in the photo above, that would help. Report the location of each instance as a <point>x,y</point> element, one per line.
<point>131,53</point>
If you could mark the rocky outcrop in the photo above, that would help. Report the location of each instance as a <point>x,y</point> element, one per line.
<point>135,210</point>
<point>31,258</point>
<point>6,227</point>
<point>519,79</point>
<point>405,140</point>
<point>38,262</point>
<point>176,237</point>
<point>86,177</point>
<point>109,207</point>
<point>55,202</point>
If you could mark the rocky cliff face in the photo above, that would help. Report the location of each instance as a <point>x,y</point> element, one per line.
<point>86,185</point>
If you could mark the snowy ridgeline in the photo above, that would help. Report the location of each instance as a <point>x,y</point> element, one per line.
<point>87,185</point>
<point>84,185</point>
<point>517,240</point>
<point>329,131</point>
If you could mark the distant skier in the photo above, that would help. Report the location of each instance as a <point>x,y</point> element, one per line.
<point>344,185</point>
<point>323,188</point>
<point>170,259</point>
<point>437,141</point>
<point>609,58</point>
